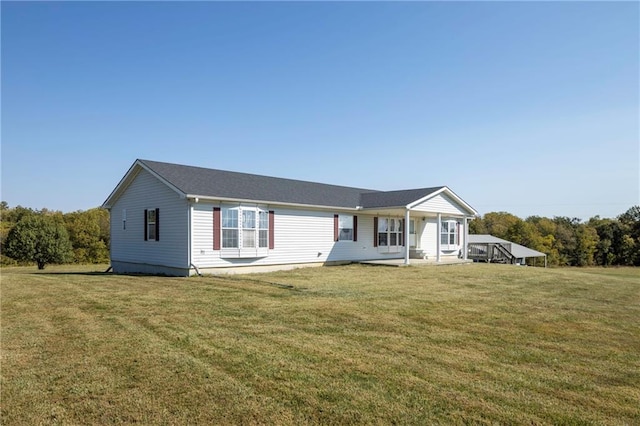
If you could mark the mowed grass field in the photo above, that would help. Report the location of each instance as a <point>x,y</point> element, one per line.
<point>465,344</point>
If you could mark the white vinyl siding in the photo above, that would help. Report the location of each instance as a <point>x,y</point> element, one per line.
<point>429,234</point>
<point>441,203</point>
<point>301,236</point>
<point>128,245</point>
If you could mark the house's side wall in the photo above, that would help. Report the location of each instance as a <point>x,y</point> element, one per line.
<point>130,253</point>
<point>300,237</point>
<point>441,203</point>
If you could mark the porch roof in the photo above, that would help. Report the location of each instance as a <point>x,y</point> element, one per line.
<point>519,251</point>
<point>400,198</point>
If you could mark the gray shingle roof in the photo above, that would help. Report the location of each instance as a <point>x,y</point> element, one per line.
<point>395,198</point>
<point>204,182</point>
<point>212,183</point>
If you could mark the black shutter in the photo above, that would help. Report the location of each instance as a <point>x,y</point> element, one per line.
<point>157,224</point>
<point>145,225</point>
<point>375,231</point>
<point>335,227</point>
<point>355,228</point>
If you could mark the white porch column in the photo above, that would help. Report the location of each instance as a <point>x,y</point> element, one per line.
<point>406,237</point>
<point>465,245</point>
<point>438,237</point>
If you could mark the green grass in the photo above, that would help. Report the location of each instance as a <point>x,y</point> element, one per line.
<point>337,345</point>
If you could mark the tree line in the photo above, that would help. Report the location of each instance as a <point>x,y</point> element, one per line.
<point>570,241</point>
<point>45,236</point>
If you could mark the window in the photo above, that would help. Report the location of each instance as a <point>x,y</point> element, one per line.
<point>449,233</point>
<point>248,228</point>
<point>152,225</point>
<point>345,227</point>
<point>229,228</point>
<point>263,236</point>
<point>124,219</point>
<point>383,231</point>
<point>243,228</point>
<point>390,232</point>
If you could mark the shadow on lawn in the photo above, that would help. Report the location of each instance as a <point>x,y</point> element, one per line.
<point>92,273</point>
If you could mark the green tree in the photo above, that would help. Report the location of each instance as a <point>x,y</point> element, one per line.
<point>477,226</point>
<point>89,235</point>
<point>628,251</point>
<point>546,240</point>
<point>499,223</point>
<point>631,246</point>
<point>565,240</point>
<point>38,238</point>
<point>586,243</point>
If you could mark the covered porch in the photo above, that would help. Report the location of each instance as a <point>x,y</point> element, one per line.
<point>436,237</point>
<point>433,223</point>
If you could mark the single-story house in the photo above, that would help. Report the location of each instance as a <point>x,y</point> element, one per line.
<point>180,220</point>
<point>487,248</point>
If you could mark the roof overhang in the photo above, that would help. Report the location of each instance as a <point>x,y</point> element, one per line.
<point>451,194</point>
<point>209,198</point>
<point>131,174</point>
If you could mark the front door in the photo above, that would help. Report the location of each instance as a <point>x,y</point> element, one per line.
<point>412,233</point>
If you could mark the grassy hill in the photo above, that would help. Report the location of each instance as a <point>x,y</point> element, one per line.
<point>337,345</point>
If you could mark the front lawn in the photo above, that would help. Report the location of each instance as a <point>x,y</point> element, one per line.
<point>335,345</point>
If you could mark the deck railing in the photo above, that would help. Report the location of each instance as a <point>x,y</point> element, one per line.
<point>491,252</point>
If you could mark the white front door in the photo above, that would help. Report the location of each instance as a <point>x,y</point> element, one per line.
<point>412,233</point>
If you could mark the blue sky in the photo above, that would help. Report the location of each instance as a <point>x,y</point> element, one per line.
<point>530,108</point>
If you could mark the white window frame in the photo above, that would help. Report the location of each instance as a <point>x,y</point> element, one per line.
<point>151,224</point>
<point>345,227</point>
<point>263,229</point>
<point>231,238</point>
<point>390,229</point>
<point>250,229</point>
<point>449,234</point>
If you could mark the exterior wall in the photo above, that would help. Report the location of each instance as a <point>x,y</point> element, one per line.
<point>128,247</point>
<point>428,238</point>
<point>300,237</point>
<point>430,235</point>
<point>441,203</point>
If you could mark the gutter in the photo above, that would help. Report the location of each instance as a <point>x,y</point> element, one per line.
<point>271,203</point>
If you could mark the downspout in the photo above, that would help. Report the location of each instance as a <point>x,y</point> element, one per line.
<point>196,268</point>
<point>406,237</point>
